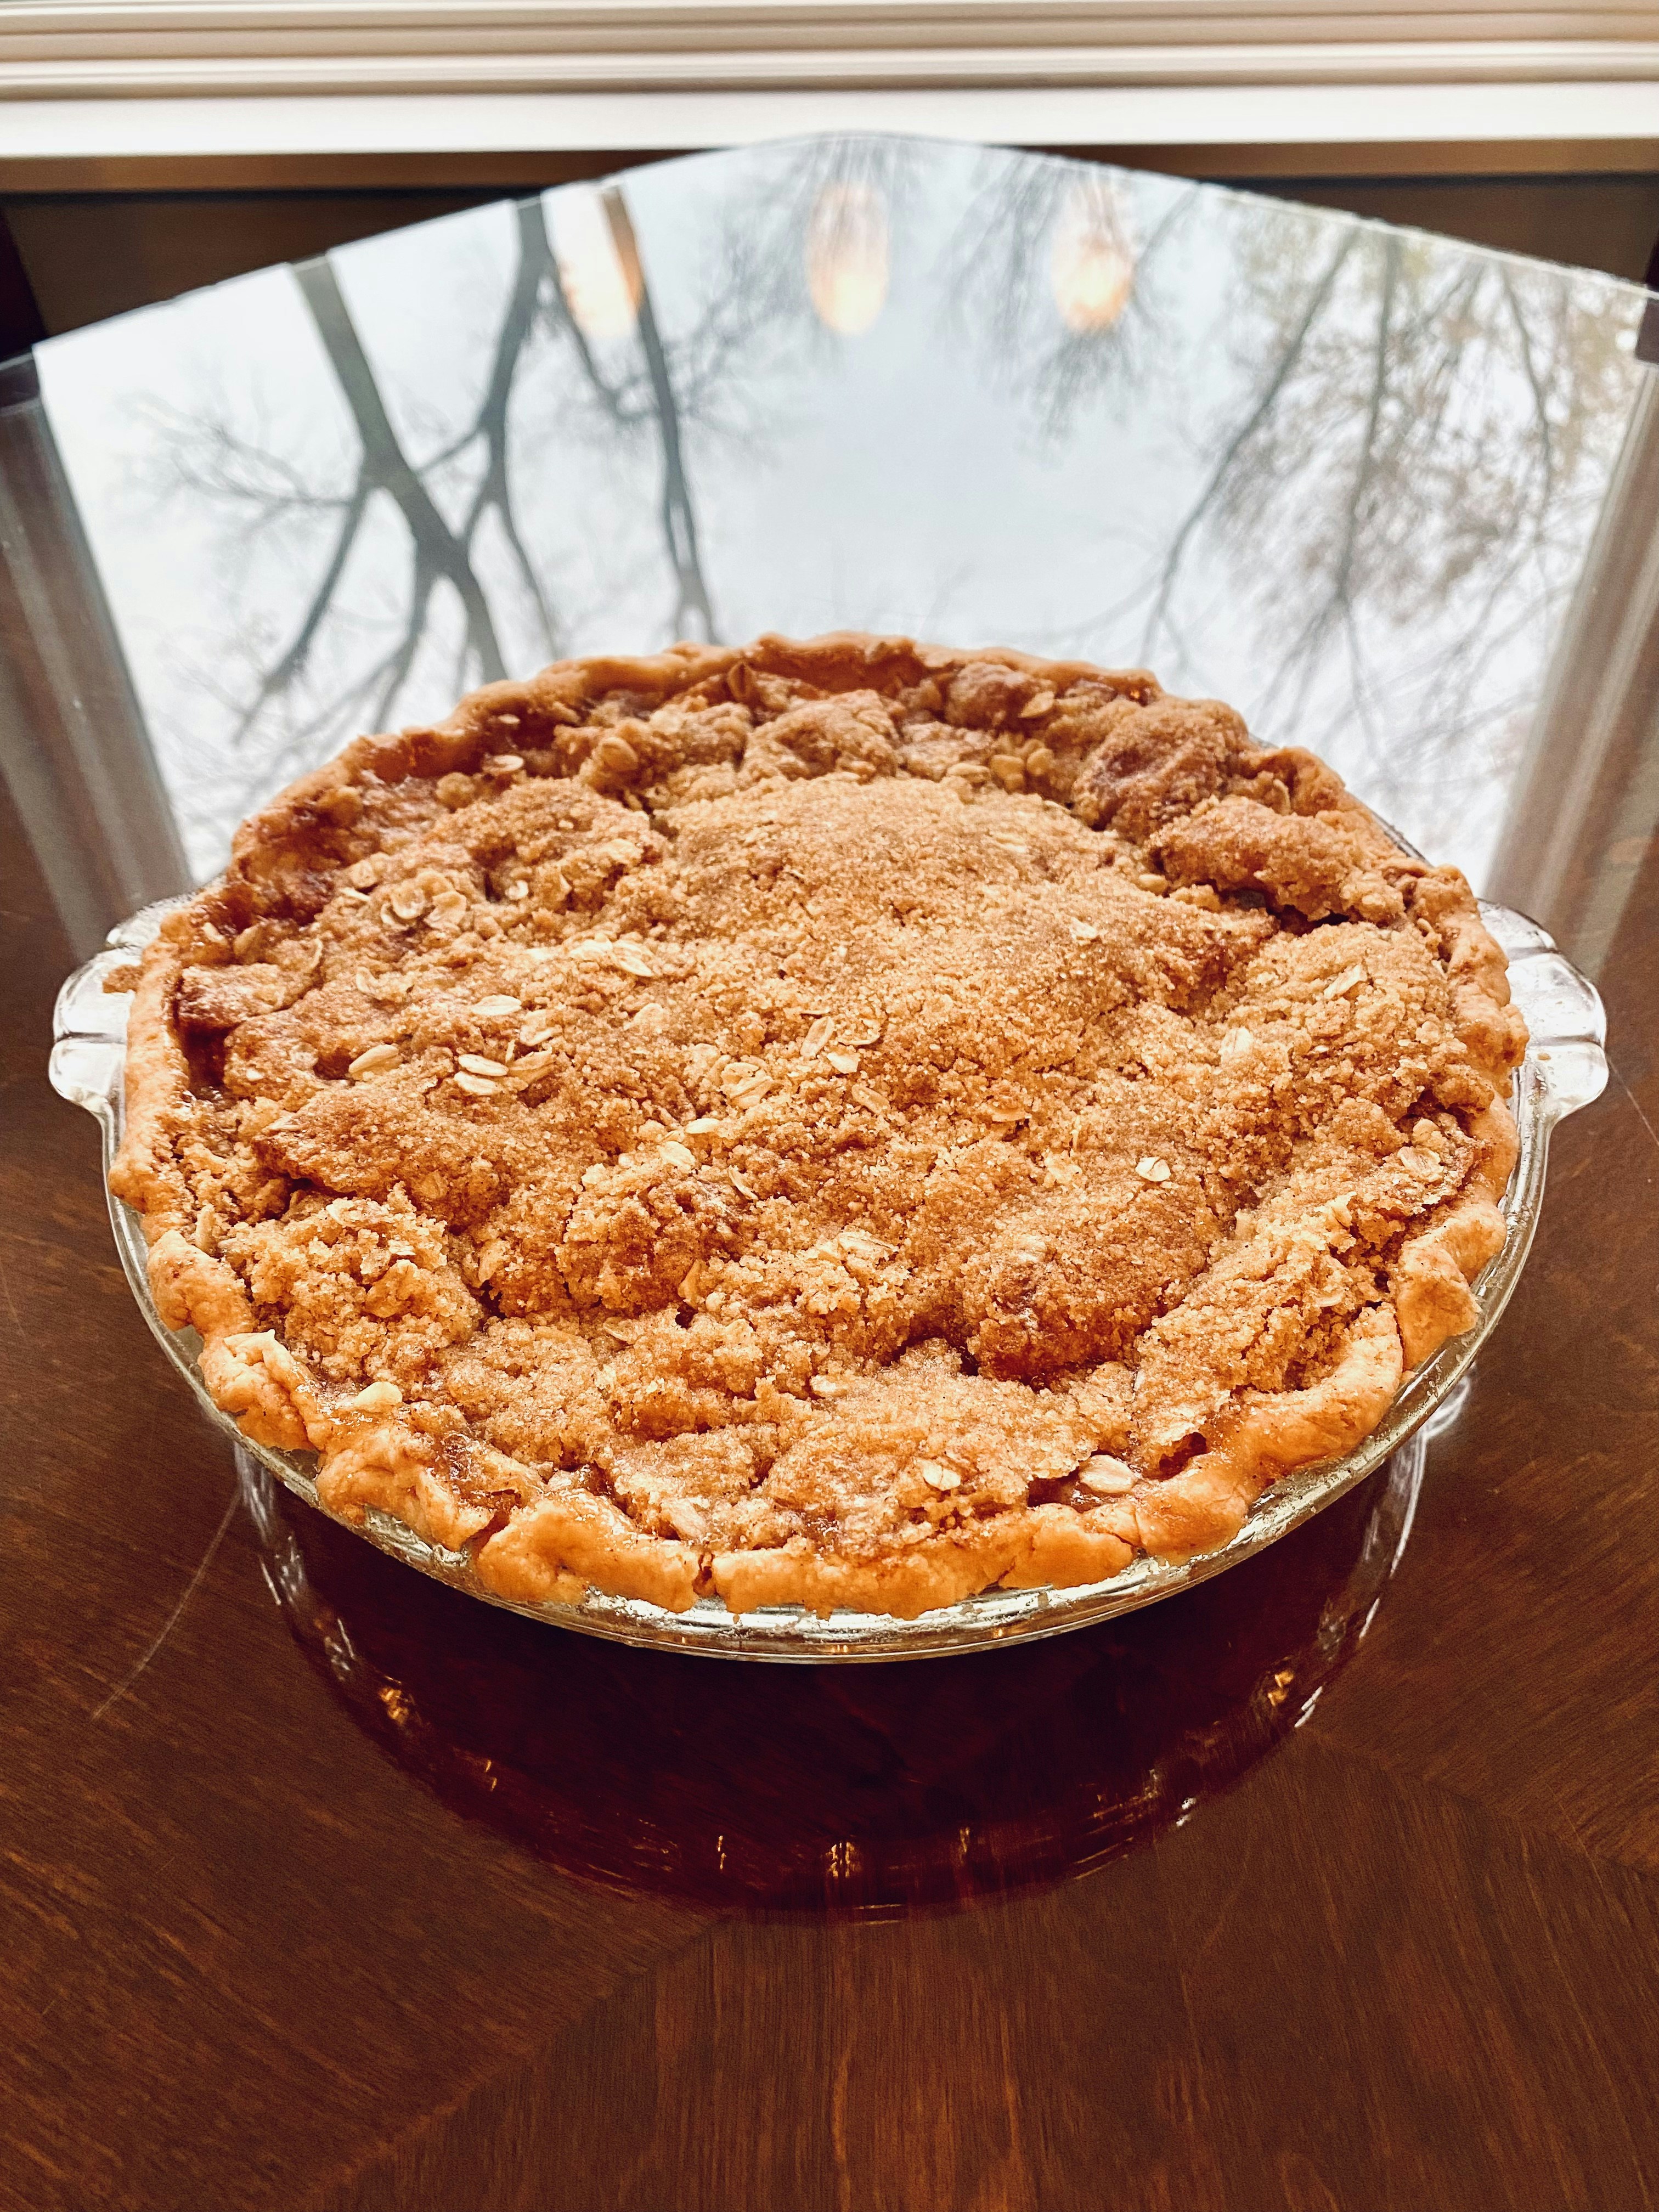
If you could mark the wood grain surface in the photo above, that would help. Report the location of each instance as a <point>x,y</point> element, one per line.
<point>1323,1887</point>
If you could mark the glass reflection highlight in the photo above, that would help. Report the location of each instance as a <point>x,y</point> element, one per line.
<point>1092,257</point>
<point>847,256</point>
<point>602,293</point>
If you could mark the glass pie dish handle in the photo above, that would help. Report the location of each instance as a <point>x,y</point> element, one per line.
<point>1567,1024</point>
<point>89,1024</point>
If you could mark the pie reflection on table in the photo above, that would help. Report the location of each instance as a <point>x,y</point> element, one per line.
<point>872,1791</point>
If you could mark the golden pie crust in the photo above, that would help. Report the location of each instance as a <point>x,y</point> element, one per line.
<point>845,1123</point>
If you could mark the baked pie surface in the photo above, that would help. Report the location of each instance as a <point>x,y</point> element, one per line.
<point>847,1123</point>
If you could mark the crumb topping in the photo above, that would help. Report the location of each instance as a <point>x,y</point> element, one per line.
<point>842,1121</point>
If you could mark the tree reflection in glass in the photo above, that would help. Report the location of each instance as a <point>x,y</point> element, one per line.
<point>594,345</point>
<point>1341,475</point>
<point>1398,461</point>
<point>1405,495</point>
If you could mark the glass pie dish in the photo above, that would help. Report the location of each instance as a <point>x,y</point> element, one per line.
<point>1564,1069</point>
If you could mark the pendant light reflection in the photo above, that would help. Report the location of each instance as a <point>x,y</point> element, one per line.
<point>1091,260</point>
<point>602,296</point>
<point>847,257</point>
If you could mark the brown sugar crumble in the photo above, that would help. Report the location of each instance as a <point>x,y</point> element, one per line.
<point>846,1123</point>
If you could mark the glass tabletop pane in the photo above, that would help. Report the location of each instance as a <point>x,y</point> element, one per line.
<point>1348,477</point>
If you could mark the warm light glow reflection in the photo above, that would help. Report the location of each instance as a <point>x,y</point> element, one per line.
<point>1091,262</point>
<point>601,298</point>
<point>847,257</point>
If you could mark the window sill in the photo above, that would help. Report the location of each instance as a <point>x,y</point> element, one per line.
<point>517,137</point>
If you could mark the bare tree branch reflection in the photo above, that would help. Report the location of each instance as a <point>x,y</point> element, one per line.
<point>652,388</point>
<point>1349,470</point>
<point>1401,495</point>
<point>494,493</point>
<point>1000,275</point>
<point>1333,607</point>
<point>1398,447</point>
<point>440,554</point>
<point>1237,441</point>
<point>679,522</point>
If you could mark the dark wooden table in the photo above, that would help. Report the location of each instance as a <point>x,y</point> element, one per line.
<point>1332,1883</point>
<point>323,1886</point>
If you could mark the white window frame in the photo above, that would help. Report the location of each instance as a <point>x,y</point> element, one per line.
<point>177,91</point>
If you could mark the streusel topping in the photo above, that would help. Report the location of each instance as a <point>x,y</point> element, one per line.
<point>837,1122</point>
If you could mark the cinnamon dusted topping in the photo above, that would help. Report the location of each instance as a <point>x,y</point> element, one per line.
<point>790,1130</point>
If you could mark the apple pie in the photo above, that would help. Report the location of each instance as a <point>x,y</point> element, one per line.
<point>845,1124</point>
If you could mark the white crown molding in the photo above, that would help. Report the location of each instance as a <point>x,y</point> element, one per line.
<point>62,28</point>
<point>172,49</point>
<point>1546,126</point>
<point>129,93</point>
<point>836,67</point>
